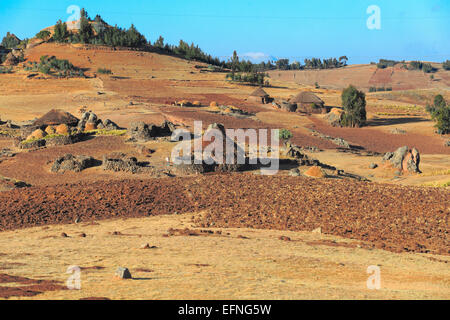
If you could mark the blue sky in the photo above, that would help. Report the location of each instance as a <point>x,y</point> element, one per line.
<point>410,30</point>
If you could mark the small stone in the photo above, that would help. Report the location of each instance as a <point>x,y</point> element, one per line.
<point>318,230</point>
<point>83,235</point>
<point>147,246</point>
<point>373,166</point>
<point>123,273</point>
<point>284,238</point>
<point>294,172</point>
<point>64,235</point>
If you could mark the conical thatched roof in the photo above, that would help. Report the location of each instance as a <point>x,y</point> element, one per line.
<point>55,117</point>
<point>306,97</point>
<point>259,93</point>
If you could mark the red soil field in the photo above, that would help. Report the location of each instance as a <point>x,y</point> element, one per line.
<point>395,218</point>
<point>378,141</point>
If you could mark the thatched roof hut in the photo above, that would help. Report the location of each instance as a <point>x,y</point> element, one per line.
<point>56,117</point>
<point>306,97</point>
<point>308,102</point>
<point>259,95</point>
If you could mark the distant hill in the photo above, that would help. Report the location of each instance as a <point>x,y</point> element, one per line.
<point>366,76</point>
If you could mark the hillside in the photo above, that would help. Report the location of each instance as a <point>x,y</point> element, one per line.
<point>366,76</point>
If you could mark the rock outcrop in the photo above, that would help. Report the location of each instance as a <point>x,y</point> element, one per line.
<point>140,131</point>
<point>73,163</point>
<point>404,159</point>
<point>89,121</point>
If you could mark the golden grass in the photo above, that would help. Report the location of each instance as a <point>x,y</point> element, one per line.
<point>218,266</point>
<point>437,184</point>
<point>436,172</point>
<point>47,137</point>
<point>105,132</point>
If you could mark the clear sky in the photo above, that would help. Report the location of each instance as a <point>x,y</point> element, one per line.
<point>298,29</point>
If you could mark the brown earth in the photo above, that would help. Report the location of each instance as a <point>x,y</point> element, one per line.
<point>365,76</point>
<point>376,140</point>
<point>364,211</point>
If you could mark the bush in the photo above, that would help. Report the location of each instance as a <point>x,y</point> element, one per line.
<point>4,70</point>
<point>354,103</point>
<point>384,63</point>
<point>440,113</point>
<point>428,68</point>
<point>43,35</point>
<point>253,77</point>
<point>104,71</point>
<point>418,65</point>
<point>446,65</point>
<point>285,134</point>
<point>52,65</point>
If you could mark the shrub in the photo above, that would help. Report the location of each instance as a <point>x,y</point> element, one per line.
<point>104,71</point>
<point>446,65</point>
<point>372,89</point>
<point>285,134</point>
<point>384,63</point>
<point>43,35</point>
<point>4,70</point>
<point>425,67</point>
<point>354,103</point>
<point>61,68</point>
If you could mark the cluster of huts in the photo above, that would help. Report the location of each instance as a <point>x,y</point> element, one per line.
<point>304,102</point>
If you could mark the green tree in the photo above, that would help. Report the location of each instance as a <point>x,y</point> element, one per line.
<point>86,32</point>
<point>234,62</point>
<point>440,113</point>
<point>354,103</point>
<point>10,41</point>
<point>439,101</point>
<point>61,33</point>
<point>159,43</point>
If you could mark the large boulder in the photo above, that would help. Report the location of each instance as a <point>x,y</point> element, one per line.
<point>10,60</point>
<point>334,117</point>
<point>285,105</point>
<point>73,163</point>
<point>404,159</point>
<point>213,164</point>
<point>140,131</point>
<point>121,162</point>
<point>90,121</point>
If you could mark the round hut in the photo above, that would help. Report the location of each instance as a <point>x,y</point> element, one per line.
<point>259,96</point>
<point>308,102</point>
<point>56,117</point>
